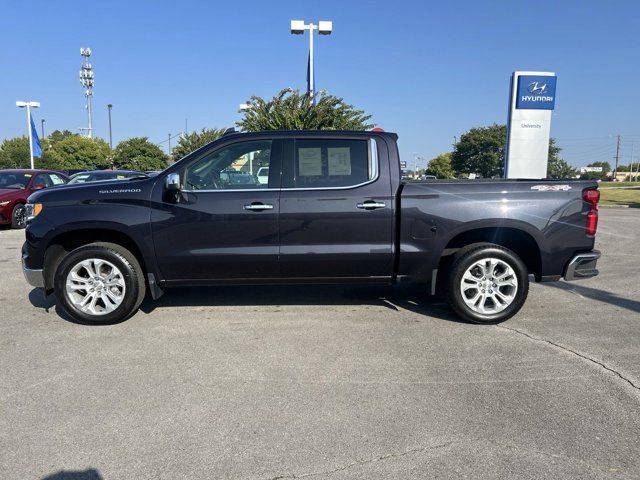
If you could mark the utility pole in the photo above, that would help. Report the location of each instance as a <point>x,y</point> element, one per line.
<point>109,106</point>
<point>615,170</point>
<point>86,80</point>
<point>631,164</point>
<point>169,145</point>
<point>42,127</point>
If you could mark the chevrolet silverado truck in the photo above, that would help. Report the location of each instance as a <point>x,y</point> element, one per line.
<point>334,210</point>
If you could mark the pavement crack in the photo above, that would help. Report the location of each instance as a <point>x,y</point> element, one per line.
<point>358,463</point>
<point>576,353</point>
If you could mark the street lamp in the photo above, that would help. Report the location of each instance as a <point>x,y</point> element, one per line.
<point>86,80</point>
<point>324,28</point>
<point>29,105</point>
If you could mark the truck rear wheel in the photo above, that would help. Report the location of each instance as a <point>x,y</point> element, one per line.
<point>100,283</point>
<point>487,284</point>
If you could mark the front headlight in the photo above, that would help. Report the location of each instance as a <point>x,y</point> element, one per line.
<point>32,210</point>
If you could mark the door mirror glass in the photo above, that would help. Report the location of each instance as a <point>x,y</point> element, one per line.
<point>172,182</point>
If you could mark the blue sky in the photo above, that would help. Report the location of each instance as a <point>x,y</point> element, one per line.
<point>426,70</point>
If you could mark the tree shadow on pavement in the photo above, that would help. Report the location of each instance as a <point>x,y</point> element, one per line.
<point>395,297</point>
<point>597,294</point>
<point>90,474</point>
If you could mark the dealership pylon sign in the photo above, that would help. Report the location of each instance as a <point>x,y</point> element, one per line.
<point>532,99</point>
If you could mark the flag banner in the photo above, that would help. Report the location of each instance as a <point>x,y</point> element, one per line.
<point>35,140</point>
<point>309,76</point>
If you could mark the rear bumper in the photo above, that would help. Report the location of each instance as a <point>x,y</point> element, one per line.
<point>35,278</point>
<point>583,265</point>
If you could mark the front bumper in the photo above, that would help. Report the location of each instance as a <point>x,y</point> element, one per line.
<point>583,265</point>
<point>35,278</point>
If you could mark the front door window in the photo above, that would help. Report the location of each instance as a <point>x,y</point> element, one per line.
<point>239,166</point>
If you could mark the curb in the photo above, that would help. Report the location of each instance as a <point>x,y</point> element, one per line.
<point>613,206</point>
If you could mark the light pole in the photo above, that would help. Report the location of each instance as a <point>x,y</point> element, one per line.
<point>324,28</point>
<point>86,80</point>
<point>29,105</point>
<point>42,127</point>
<point>109,106</point>
<point>169,145</point>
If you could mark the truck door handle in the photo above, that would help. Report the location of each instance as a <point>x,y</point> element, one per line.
<point>370,205</point>
<point>257,206</point>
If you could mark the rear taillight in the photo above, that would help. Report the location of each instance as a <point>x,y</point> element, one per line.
<point>592,197</point>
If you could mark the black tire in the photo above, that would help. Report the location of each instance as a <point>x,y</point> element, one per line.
<point>18,216</point>
<point>463,260</point>
<point>124,260</point>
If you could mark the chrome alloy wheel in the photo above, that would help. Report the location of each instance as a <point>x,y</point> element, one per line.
<point>489,286</point>
<point>95,286</point>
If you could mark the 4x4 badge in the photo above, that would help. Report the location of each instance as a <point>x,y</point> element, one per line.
<point>551,188</point>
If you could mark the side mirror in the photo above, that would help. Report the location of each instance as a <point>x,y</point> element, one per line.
<point>172,182</point>
<point>38,186</point>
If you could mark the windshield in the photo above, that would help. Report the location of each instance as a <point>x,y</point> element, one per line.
<point>14,180</point>
<point>88,177</point>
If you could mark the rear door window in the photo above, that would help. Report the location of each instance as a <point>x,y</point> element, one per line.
<point>331,163</point>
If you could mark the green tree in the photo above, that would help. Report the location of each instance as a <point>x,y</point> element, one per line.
<point>14,153</point>
<point>139,154</point>
<point>58,135</point>
<point>194,140</point>
<point>292,110</point>
<point>440,166</point>
<point>77,152</point>
<point>557,167</point>
<point>606,168</point>
<point>480,150</point>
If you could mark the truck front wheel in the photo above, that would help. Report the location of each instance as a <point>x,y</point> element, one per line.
<point>99,283</point>
<point>487,284</point>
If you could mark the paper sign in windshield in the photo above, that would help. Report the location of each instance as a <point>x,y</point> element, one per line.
<point>339,161</point>
<point>309,162</point>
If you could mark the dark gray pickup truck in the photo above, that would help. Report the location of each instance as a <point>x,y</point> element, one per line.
<point>333,210</point>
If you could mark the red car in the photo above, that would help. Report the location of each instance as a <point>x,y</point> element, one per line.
<point>15,188</point>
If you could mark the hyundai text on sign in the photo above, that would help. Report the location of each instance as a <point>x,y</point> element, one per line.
<point>536,92</point>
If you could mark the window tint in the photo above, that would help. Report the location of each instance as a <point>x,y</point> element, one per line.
<point>331,163</point>
<point>232,167</point>
<point>42,179</point>
<point>14,180</point>
<point>79,178</point>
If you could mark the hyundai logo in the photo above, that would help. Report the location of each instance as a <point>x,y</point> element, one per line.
<point>537,88</point>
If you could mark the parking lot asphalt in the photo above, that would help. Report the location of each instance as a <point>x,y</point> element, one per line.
<point>336,382</point>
